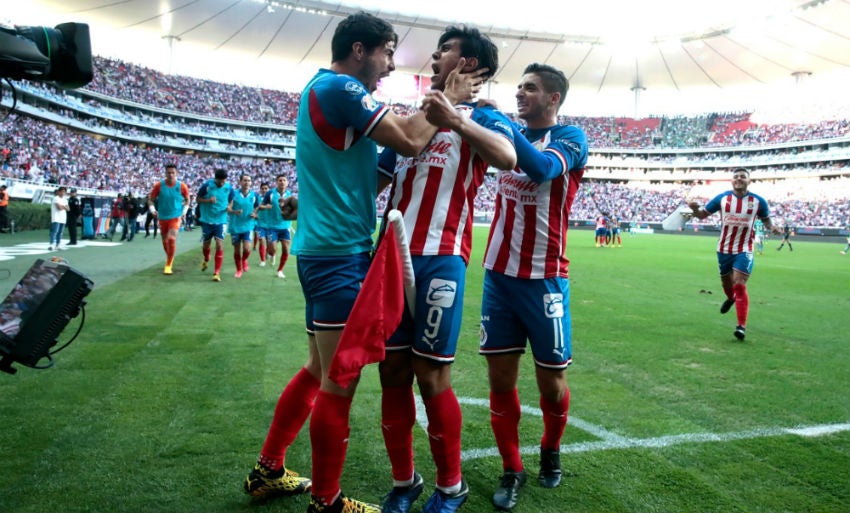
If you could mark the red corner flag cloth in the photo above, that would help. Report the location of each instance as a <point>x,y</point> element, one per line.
<point>375,315</point>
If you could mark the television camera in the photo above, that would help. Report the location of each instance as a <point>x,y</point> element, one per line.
<point>61,55</point>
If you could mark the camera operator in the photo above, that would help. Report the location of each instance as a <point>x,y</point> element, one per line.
<point>75,210</point>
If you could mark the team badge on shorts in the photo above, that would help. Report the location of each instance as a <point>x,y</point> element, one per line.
<point>441,293</point>
<point>553,305</point>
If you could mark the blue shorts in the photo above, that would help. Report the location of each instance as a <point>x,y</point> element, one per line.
<point>434,331</point>
<point>742,262</point>
<point>212,230</point>
<point>330,286</point>
<point>236,238</point>
<point>600,232</point>
<point>514,310</point>
<point>261,232</point>
<point>273,235</point>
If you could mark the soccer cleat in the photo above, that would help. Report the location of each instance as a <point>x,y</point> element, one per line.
<point>263,482</point>
<point>216,277</point>
<point>726,305</point>
<point>441,502</point>
<point>507,493</point>
<point>49,248</point>
<point>280,274</point>
<point>245,267</point>
<point>204,265</point>
<point>401,498</point>
<point>262,263</point>
<point>843,252</point>
<point>238,274</point>
<point>550,468</point>
<point>740,332</point>
<point>342,504</point>
<point>167,270</point>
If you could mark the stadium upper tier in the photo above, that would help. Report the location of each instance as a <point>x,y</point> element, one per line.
<point>117,134</point>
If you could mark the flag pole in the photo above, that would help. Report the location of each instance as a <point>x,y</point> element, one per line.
<point>397,222</point>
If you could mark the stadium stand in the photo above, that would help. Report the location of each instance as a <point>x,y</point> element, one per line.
<point>117,134</point>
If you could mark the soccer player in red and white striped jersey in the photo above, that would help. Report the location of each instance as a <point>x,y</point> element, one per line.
<point>434,192</point>
<point>739,209</point>
<point>526,285</point>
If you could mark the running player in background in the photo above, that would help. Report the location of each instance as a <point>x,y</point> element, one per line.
<point>739,210</point>
<point>242,207</point>
<point>339,126</point>
<point>168,202</point>
<point>526,281</point>
<point>261,227</point>
<point>434,191</point>
<point>213,200</point>
<point>277,228</point>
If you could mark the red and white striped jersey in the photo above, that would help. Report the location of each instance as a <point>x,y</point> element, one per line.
<point>737,219</point>
<point>435,190</point>
<point>528,237</point>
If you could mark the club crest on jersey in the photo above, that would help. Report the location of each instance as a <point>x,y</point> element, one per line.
<point>441,293</point>
<point>553,305</point>
<point>354,87</point>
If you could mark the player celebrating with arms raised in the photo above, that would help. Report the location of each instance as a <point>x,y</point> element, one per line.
<point>739,210</point>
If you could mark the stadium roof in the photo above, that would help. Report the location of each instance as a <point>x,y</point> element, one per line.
<point>617,52</point>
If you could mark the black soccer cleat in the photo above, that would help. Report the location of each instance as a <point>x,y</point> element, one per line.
<point>550,468</point>
<point>726,305</point>
<point>507,493</point>
<point>740,332</point>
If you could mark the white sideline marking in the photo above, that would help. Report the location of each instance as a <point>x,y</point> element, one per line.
<point>40,248</point>
<point>610,440</point>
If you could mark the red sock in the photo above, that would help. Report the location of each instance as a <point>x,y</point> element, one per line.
<point>282,263</point>
<point>444,425</point>
<point>505,413</point>
<point>329,439</point>
<point>293,407</point>
<point>245,254</point>
<point>170,245</point>
<point>206,252</point>
<point>237,259</point>
<point>742,303</point>
<point>554,421</point>
<point>398,414</point>
<point>219,258</point>
<point>262,253</point>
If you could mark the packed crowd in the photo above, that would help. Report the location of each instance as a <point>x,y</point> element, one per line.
<point>43,152</point>
<point>138,84</point>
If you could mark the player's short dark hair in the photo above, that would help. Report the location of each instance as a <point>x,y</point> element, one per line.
<point>167,166</point>
<point>364,28</point>
<point>244,175</point>
<point>741,170</point>
<point>553,80</point>
<point>474,43</point>
<point>221,174</point>
<point>283,175</point>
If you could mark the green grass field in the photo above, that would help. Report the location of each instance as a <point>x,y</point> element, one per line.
<point>163,402</point>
